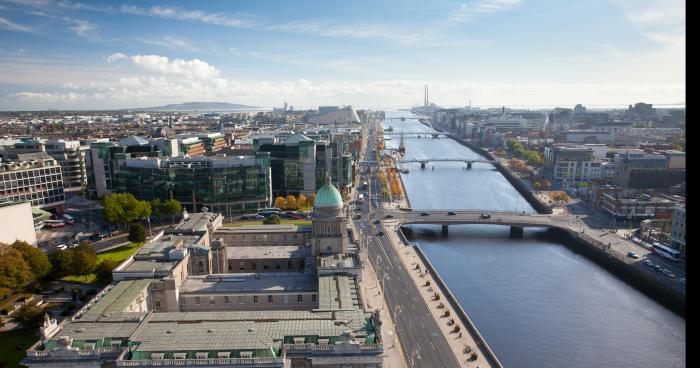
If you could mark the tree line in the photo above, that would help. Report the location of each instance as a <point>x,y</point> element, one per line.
<point>291,203</point>
<point>532,157</point>
<point>124,208</point>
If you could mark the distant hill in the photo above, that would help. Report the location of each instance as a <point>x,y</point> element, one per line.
<point>198,106</point>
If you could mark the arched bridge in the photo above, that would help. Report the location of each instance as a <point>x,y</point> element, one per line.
<point>417,134</point>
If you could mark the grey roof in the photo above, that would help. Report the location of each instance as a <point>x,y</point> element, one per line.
<point>270,252</point>
<point>296,138</point>
<point>117,299</point>
<point>337,292</point>
<point>250,229</point>
<point>132,141</point>
<point>250,282</point>
<point>97,331</point>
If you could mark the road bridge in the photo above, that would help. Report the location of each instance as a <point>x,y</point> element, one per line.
<point>517,221</point>
<point>416,134</point>
<point>467,161</point>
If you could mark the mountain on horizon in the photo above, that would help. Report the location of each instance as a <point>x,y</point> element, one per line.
<point>198,106</point>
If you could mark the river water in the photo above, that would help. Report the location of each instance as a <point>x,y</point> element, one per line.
<point>536,302</point>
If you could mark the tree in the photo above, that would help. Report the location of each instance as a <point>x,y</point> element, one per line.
<point>171,207</point>
<point>302,201</point>
<point>61,262</point>
<point>84,260</point>
<point>291,202</point>
<point>280,202</point>
<point>157,208</point>
<point>124,207</point>
<point>35,258</point>
<point>137,233</point>
<point>30,315</point>
<point>103,271</point>
<point>312,199</point>
<point>14,270</point>
<point>272,220</point>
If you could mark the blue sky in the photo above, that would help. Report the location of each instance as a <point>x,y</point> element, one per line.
<point>118,54</point>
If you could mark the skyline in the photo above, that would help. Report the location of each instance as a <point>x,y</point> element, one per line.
<point>115,55</point>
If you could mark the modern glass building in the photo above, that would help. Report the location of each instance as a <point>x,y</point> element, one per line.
<point>222,184</point>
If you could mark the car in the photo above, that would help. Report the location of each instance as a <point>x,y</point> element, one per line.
<point>658,268</point>
<point>632,255</point>
<point>425,214</point>
<point>451,213</point>
<point>648,263</point>
<point>62,247</point>
<point>682,280</point>
<point>388,216</point>
<point>377,221</point>
<point>380,233</point>
<point>357,216</point>
<point>485,215</point>
<point>668,273</point>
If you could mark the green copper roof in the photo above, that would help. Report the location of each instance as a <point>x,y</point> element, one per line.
<point>328,196</point>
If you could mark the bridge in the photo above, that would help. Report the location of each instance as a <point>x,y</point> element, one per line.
<point>402,118</point>
<point>418,134</point>
<point>467,161</point>
<point>516,221</point>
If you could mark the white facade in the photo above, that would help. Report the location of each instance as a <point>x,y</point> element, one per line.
<point>678,228</point>
<point>17,223</point>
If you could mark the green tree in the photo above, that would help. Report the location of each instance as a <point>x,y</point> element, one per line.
<point>14,270</point>
<point>84,260</point>
<point>30,315</point>
<point>35,258</point>
<point>272,220</point>
<point>157,208</point>
<point>61,262</point>
<point>172,208</point>
<point>137,233</point>
<point>125,208</point>
<point>103,271</point>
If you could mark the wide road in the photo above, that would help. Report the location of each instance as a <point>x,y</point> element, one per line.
<point>419,334</point>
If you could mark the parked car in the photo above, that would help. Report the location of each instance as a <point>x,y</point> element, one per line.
<point>451,213</point>
<point>380,233</point>
<point>62,247</point>
<point>682,280</point>
<point>632,255</point>
<point>485,215</point>
<point>648,263</point>
<point>388,216</point>
<point>668,273</point>
<point>377,221</point>
<point>425,214</point>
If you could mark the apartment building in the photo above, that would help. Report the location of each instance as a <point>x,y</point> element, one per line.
<point>571,163</point>
<point>33,177</point>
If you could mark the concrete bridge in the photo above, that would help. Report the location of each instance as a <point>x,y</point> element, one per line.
<point>416,134</point>
<point>516,221</point>
<point>469,162</point>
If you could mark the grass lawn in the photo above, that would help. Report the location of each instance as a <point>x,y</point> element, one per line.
<point>117,254</point>
<point>13,346</point>
<point>259,222</point>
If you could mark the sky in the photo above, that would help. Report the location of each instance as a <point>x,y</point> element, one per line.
<point>65,54</point>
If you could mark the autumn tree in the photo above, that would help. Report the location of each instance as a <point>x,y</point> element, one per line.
<point>37,261</point>
<point>280,202</point>
<point>311,200</point>
<point>14,270</point>
<point>301,201</point>
<point>291,202</point>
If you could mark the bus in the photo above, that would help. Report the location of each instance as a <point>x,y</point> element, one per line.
<point>271,209</point>
<point>666,252</point>
<point>361,198</point>
<point>68,219</point>
<point>54,223</point>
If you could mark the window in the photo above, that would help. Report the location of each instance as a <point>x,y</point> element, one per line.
<point>89,347</point>
<point>254,266</point>
<point>269,299</point>
<point>212,300</point>
<point>223,354</point>
<point>300,298</point>
<point>226,300</point>
<point>241,266</point>
<point>266,265</point>
<point>197,300</point>
<point>285,299</point>
<point>255,299</point>
<point>277,266</point>
<point>157,303</point>
<point>289,265</point>
<point>313,298</point>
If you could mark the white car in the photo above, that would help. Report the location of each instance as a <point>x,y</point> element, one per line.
<point>62,247</point>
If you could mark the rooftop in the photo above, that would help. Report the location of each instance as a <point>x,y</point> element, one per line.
<point>271,252</point>
<point>250,282</point>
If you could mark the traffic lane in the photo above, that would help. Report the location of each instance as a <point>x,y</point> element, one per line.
<point>415,324</point>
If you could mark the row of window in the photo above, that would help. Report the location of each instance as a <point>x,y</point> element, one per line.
<point>266,265</point>
<point>242,299</point>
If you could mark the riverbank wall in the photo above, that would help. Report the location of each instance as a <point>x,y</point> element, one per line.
<point>616,263</point>
<point>462,315</point>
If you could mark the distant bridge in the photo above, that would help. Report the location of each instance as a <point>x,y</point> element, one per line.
<point>467,161</point>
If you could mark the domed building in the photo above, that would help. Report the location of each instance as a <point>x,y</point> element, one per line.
<point>329,229</point>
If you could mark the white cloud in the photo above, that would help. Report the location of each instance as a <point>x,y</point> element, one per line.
<point>482,7</point>
<point>84,28</point>
<point>12,26</point>
<point>219,19</point>
<point>192,69</point>
<point>116,57</point>
<point>653,12</point>
<point>171,42</point>
<point>353,31</point>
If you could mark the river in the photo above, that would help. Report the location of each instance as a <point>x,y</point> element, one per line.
<point>536,302</point>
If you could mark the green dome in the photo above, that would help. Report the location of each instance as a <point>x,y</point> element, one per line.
<point>328,196</point>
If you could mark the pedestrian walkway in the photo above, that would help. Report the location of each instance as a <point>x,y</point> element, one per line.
<point>463,342</point>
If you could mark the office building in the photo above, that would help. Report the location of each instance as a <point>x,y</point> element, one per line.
<point>678,229</point>
<point>32,177</point>
<point>223,184</point>
<point>571,163</point>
